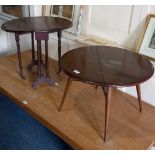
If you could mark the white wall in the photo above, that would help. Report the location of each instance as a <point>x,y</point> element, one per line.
<point>35,10</point>
<point>8,44</point>
<point>66,45</point>
<point>152,9</point>
<point>122,24</point>
<point>7,40</point>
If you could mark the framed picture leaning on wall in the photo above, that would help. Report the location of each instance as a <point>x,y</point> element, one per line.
<point>147,44</point>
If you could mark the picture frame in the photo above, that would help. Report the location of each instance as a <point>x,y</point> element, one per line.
<point>146,45</point>
<point>64,11</point>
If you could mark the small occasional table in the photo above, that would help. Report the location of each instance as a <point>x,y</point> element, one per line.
<point>41,27</point>
<point>107,67</point>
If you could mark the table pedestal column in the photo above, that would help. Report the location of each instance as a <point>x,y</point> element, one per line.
<point>39,36</point>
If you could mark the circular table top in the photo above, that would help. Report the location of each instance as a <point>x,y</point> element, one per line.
<point>37,24</point>
<point>103,65</point>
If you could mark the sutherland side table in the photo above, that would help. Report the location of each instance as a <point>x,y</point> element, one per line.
<point>41,27</point>
<point>107,67</point>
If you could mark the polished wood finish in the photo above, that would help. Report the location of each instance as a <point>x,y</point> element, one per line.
<point>107,67</point>
<point>139,97</point>
<point>33,61</point>
<point>41,26</point>
<point>19,55</point>
<point>107,92</point>
<point>69,82</point>
<point>41,77</point>
<point>46,58</point>
<point>37,24</point>
<point>110,66</point>
<point>33,50</point>
<point>81,122</point>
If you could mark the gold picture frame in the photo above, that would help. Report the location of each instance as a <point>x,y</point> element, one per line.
<point>63,11</point>
<point>146,45</point>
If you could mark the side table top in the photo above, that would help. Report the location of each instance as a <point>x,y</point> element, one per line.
<point>105,65</point>
<point>37,24</point>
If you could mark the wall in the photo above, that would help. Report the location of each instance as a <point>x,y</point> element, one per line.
<point>7,41</point>
<point>121,24</point>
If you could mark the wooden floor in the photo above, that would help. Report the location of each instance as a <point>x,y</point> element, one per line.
<point>81,121</point>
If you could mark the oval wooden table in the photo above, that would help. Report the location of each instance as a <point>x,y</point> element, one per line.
<point>41,26</point>
<point>107,67</point>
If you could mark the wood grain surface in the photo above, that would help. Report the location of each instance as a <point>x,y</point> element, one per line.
<point>81,121</point>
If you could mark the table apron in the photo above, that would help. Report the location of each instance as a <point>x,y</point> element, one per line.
<point>41,36</point>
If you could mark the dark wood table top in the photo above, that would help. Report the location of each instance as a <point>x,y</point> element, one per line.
<point>103,65</point>
<point>37,24</point>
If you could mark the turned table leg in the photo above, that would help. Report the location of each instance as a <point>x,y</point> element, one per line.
<point>19,54</point>
<point>33,50</point>
<point>69,82</point>
<point>33,61</point>
<point>107,93</point>
<point>46,59</point>
<point>139,96</point>
<point>39,57</point>
<point>59,50</point>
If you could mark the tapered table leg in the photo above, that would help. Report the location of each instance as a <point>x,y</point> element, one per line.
<point>69,82</point>
<point>105,89</point>
<point>59,50</point>
<point>139,96</point>
<point>107,109</point>
<point>19,54</point>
